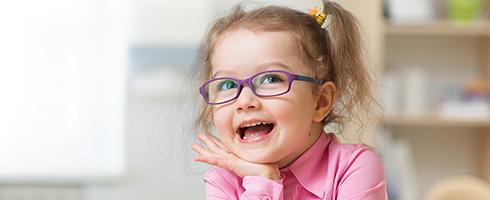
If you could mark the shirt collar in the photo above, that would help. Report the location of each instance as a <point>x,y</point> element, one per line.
<point>313,160</point>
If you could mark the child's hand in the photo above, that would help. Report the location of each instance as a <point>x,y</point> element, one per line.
<point>216,154</point>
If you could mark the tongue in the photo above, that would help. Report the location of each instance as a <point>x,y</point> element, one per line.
<point>257,131</point>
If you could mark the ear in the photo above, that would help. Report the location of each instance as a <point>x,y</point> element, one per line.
<point>325,100</point>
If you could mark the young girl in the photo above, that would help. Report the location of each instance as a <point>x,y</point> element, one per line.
<point>272,79</point>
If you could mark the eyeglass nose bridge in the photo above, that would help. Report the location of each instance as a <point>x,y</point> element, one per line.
<point>245,82</point>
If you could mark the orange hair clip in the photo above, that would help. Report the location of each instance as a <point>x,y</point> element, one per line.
<point>320,17</point>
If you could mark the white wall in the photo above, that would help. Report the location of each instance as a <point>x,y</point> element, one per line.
<point>182,23</point>
<point>159,160</point>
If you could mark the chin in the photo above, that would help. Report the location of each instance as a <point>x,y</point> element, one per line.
<point>259,157</point>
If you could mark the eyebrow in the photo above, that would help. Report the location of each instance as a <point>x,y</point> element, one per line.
<point>261,66</point>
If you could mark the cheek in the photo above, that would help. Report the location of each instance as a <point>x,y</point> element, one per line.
<point>294,115</point>
<point>297,112</point>
<point>222,121</point>
<point>291,111</point>
<point>301,101</point>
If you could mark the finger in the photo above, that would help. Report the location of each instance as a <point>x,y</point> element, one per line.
<point>208,160</point>
<point>206,156</point>
<point>209,143</point>
<point>229,162</point>
<point>201,150</point>
<point>212,159</point>
<point>219,144</point>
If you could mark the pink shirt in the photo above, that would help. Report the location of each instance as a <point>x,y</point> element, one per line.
<point>327,170</point>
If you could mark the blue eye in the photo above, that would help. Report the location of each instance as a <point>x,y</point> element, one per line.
<point>270,78</point>
<point>226,85</point>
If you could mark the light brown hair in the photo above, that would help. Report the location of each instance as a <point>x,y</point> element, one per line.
<point>334,55</point>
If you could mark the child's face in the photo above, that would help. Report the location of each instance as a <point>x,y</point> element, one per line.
<point>242,54</point>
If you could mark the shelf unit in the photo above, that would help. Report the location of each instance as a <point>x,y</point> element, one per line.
<point>440,28</point>
<point>441,146</point>
<point>432,122</point>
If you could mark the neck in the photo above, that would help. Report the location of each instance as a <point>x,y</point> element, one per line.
<point>313,135</point>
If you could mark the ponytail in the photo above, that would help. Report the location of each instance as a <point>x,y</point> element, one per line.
<point>346,65</point>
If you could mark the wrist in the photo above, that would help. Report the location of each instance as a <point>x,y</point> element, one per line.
<point>272,174</point>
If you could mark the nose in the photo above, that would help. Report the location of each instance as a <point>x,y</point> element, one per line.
<point>247,100</point>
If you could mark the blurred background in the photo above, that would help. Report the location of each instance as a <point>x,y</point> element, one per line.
<point>96,100</point>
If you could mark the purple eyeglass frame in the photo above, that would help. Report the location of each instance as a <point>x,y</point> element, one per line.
<point>248,82</point>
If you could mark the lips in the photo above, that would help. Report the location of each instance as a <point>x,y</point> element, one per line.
<point>254,130</point>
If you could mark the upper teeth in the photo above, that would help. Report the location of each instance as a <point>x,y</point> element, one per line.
<point>254,124</point>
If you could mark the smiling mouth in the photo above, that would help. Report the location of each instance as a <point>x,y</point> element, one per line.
<point>255,131</point>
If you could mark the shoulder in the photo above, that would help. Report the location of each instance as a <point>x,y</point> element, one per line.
<point>353,153</point>
<point>359,171</point>
<point>355,161</point>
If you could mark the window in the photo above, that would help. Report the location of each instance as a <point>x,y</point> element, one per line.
<point>62,88</point>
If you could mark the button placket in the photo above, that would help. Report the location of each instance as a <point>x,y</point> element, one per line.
<point>265,197</point>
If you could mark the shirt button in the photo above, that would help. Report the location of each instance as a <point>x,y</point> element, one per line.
<point>265,197</point>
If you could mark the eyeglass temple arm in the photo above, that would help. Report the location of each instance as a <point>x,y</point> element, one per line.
<point>306,78</point>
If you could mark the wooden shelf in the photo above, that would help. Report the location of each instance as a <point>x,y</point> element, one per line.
<point>439,28</point>
<point>434,121</point>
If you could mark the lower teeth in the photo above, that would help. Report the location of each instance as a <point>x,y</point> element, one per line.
<point>250,136</point>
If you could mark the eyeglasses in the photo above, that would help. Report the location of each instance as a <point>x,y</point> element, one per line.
<point>264,84</point>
